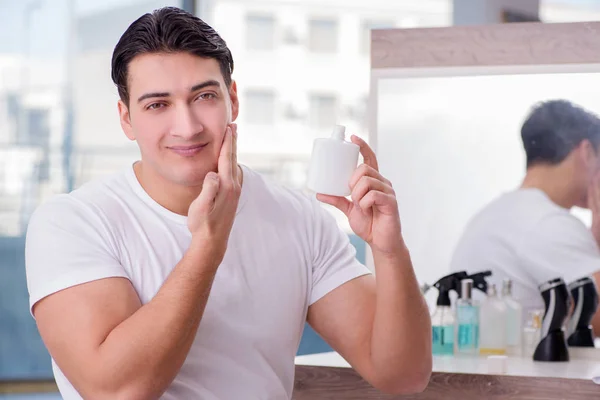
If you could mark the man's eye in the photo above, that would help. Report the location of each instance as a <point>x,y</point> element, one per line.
<point>207,96</point>
<point>155,106</point>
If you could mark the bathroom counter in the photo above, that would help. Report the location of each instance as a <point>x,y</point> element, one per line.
<point>328,375</point>
<point>517,366</point>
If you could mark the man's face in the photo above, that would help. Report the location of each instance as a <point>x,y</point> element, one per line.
<point>179,108</point>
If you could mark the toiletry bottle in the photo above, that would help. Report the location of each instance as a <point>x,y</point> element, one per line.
<point>442,320</point>
<point>514,320</point>
<point>467,320</point>
<point>492,324</point>
<point>332,164</point>
<point>532,332</point>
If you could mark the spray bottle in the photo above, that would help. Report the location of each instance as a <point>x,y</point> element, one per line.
<point>442,320</point>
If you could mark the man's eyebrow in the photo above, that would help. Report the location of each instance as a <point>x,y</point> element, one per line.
<point>153,94</point>
<point>205,84</point>
<point>167,94</point>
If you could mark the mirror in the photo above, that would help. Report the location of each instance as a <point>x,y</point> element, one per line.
<point>450,145</point>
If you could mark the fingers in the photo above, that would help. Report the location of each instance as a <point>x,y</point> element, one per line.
<point>385,203</point>
<point>341,203</point>
<point>366,151</point>
<point>210,188</point>
<point>234,170</point>
<point>367,184</point>
<point>226,157</point>
<point>366,170</point>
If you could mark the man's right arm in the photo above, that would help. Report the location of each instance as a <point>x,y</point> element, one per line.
<point>109,345</point>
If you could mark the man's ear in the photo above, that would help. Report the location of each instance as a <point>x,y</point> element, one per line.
<point>125,119</point>
<point>588,152</point>
<point>235,103</point>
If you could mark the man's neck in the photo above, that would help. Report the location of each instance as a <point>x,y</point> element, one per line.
<point>175,198</point>
<point>555,182</point>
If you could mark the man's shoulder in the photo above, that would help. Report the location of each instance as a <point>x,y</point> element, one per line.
<point>503,221</point>
<point>87,201</point>
<point>519,207</point>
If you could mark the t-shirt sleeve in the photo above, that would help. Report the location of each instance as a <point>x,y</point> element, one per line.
<point>334,257</point>
<point>560,246</point>
<point>67,244</point>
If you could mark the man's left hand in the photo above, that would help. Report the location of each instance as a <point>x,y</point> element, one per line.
<point>373,211</point>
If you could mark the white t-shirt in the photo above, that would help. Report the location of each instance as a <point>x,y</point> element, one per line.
<point>526,237</point>
<point>284,253</point>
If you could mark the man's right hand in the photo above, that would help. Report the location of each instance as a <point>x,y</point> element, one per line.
<point>211,215</point>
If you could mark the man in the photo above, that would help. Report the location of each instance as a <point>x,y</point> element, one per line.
<point>529,235</point>
<point>190,277</point>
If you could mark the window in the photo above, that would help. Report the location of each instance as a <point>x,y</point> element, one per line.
<point>323,111</point>
<point>40,71</point>
<point>260,106</point>
<point>260,32</point>
<point>367,26</point>
<point>323,36</point>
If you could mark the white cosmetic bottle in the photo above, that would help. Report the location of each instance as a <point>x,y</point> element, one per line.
<point>332,164</point>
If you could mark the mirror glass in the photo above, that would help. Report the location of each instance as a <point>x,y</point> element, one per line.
<point>450,145</point>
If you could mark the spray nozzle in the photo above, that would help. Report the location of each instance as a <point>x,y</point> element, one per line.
<point>446,284</point>
<point>479,281</point>
<point>453,282</point>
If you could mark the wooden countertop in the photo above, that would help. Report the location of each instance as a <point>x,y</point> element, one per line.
<point>329,376</point>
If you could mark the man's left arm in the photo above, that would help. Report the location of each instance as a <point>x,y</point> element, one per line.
<point>381,324</point>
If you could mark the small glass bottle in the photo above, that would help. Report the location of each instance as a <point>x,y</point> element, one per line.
<point>467,320</point>
<point>333,161</point>
<point>492,324</point>
<point>514,320</point>
<point>532,332</point>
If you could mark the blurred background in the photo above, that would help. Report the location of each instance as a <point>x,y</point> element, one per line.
<point>301,67</point>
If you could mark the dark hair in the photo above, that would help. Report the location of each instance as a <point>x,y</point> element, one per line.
<point>554,128</point>
<point>168,30</point>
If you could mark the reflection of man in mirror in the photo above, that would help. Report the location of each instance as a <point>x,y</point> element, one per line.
<point>529,235</point>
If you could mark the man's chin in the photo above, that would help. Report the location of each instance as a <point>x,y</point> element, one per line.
<point>192,178</point>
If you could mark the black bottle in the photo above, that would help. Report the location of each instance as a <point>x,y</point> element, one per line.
<point>585,299</point>
<point>553,346</point>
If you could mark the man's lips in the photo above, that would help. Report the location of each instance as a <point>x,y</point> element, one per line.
<point>187,150</point>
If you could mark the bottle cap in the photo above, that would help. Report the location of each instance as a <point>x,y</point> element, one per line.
<point>339,132</point>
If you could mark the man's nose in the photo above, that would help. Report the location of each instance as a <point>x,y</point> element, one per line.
<point>186,124</point>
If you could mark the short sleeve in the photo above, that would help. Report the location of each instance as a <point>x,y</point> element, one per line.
<point>67,244</point>
<point>334,257</point>
<point>560,246</point>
